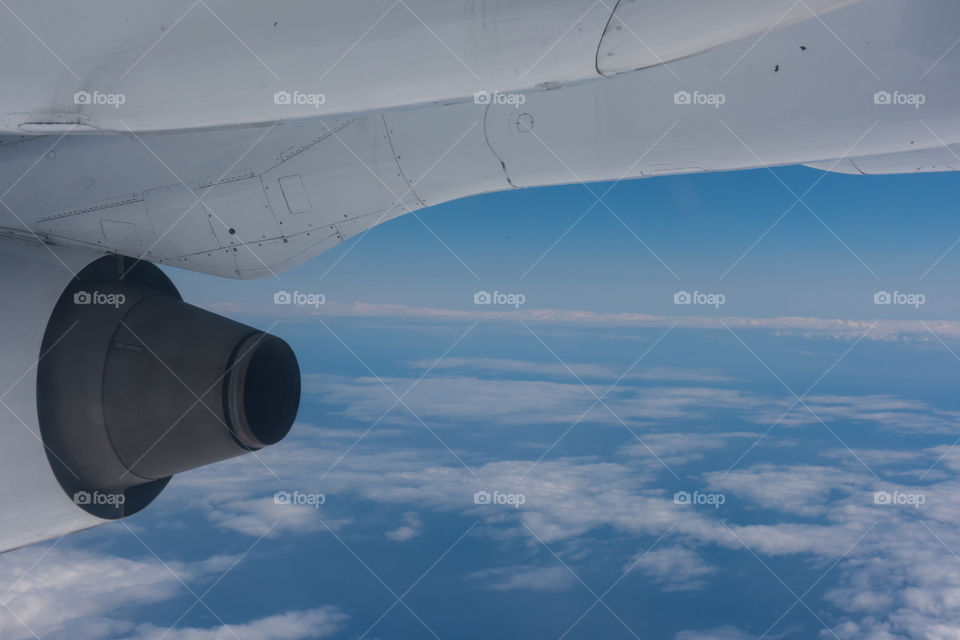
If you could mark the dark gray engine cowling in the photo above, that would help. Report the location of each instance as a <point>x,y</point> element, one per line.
<point>134,385</point>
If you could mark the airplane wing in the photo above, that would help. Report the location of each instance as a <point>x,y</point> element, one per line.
<point>123,65</point>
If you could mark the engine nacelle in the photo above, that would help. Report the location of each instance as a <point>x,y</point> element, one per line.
<point>115,385</point>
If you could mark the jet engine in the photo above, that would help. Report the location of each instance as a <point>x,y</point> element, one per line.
<point>110,384</point>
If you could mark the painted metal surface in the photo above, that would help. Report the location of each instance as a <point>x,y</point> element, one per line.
<point>647,33</point>
<point>120,65</point>
<point>33,506</point>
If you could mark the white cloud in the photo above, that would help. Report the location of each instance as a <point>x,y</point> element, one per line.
<point>258,517</point>
<point>455,399</point>
<point>677,449</point>
<point>675,568</point>
<point>409,530</point>
<point>886,411</point>
<point>79,590</point>
<point>527,577</point>
<point>830,328</point>
<point>898,576</point>
<point>293,625</point>
<point>899,579</point>
<point>506,366</point>
<point>720,633</point>
<point>559,370</point>
<point>798,489</point>
<point>463,399</point>
<point>78,595</point>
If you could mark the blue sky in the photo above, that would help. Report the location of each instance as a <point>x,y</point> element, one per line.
<point>598,418</point>
<point>859,235</point>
